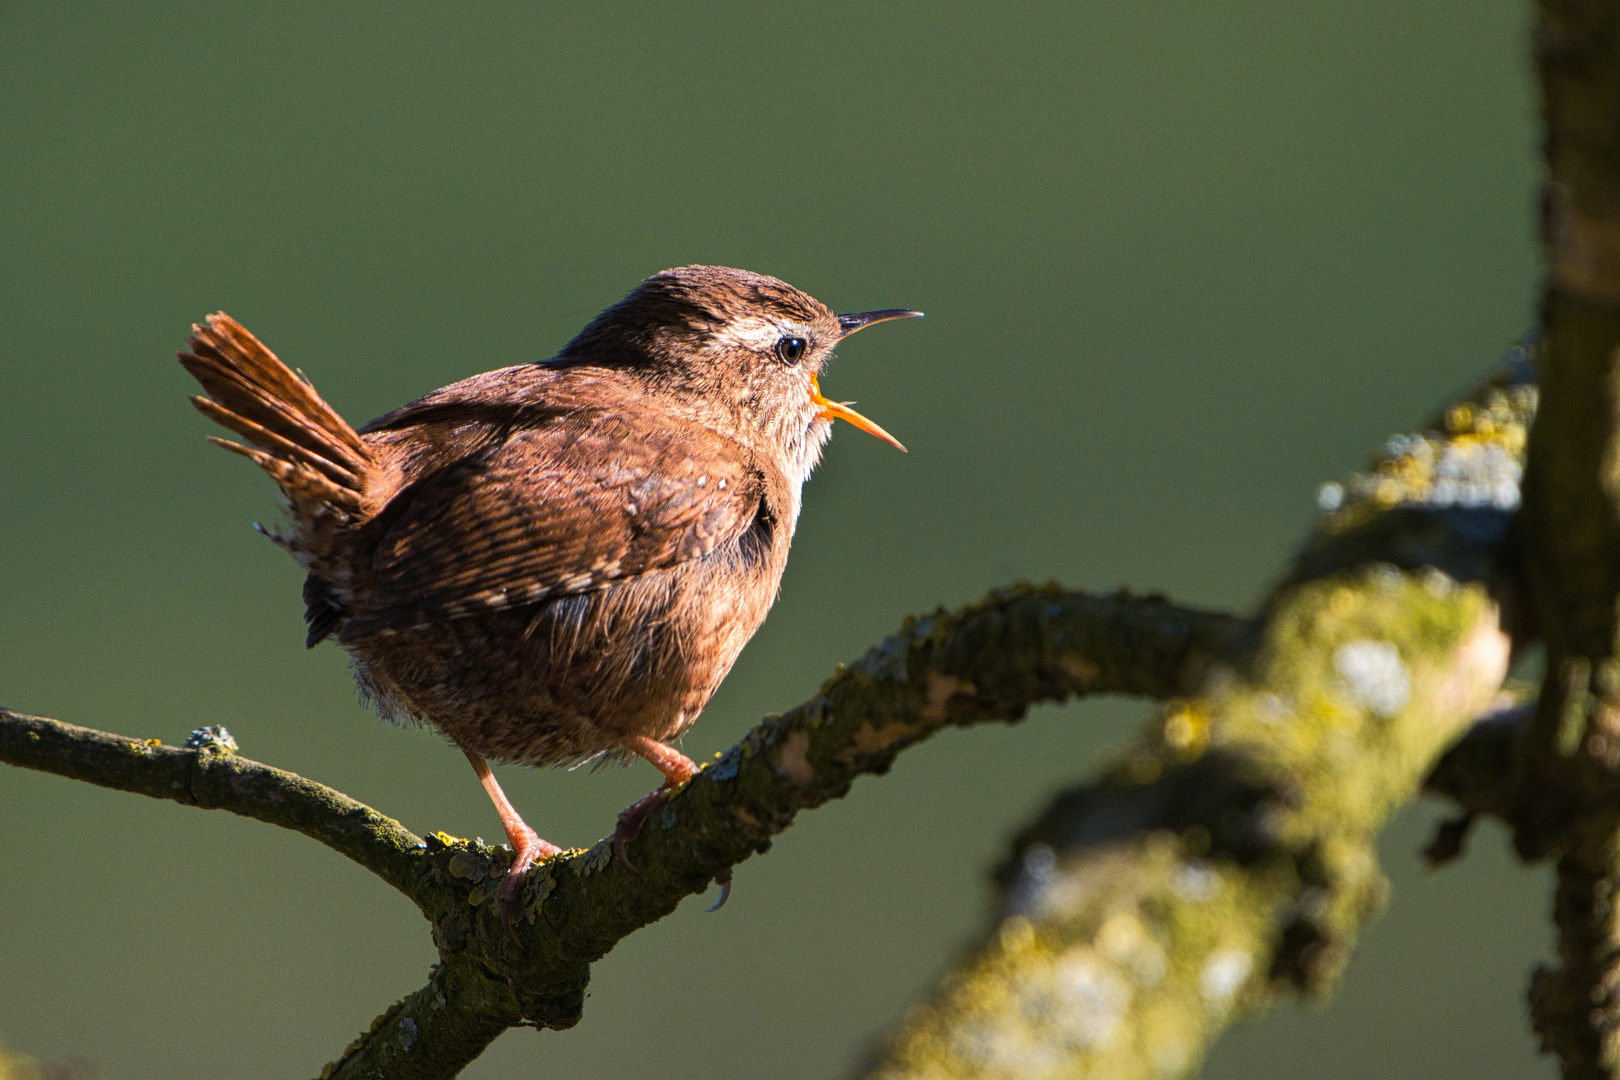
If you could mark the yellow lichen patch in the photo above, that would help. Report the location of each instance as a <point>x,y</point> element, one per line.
<point>1186,729</point>
<point>1016,934</point>
<point>1342,601</point>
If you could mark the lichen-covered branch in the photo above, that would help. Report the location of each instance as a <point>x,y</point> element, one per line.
<point>988,661</point>
<point>208,773</point>
<point>1230,853</point>
<point>434,1032</point>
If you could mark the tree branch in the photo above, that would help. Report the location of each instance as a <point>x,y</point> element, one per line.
<point>212,776</point>
<point>988,661</point>
<point>1230,854</point>
<point>1570,755</point>
<point>1479,771</point>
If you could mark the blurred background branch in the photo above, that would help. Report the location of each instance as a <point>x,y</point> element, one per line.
<point>1229,854</point>
<point>1570,754</point>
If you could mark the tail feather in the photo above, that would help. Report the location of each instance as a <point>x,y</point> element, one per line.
<point>257,404</point>
<point>240,356</point>
<point>300,440</point>
<point>295,477</point>
<point>274,444</point>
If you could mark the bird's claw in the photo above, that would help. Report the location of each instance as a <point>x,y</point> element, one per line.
<point>722,879</point>
<point>629,826</point>
<point>527,850</point>
<point>509,896</point>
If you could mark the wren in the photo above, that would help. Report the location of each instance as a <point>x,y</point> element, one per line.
<point>558,561</point>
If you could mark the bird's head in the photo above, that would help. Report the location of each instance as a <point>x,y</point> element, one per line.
<point>740,351</point>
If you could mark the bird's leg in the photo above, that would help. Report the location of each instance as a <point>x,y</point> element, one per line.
<point>527,847</point>
<point>677,769</point>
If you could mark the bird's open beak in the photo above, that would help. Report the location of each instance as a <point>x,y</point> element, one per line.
<point>840,410</point>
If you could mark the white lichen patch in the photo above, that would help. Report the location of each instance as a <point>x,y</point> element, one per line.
<point>1271,709</point>
<point>1039,861</point>
<point>1057,897</point>
<point>1042,891</point>
<point>1088,999</point>
<point>1077,1002</point>
<point>1462,472</point>
<point>1374,675</point>
<point>1473,462</point>
<point>1002,1046</point>
<point>1195,881</point>
<point>1222,974</point>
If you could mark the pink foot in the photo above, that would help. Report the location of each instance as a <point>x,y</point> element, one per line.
<point>527,847</point>
<point>677,769</point>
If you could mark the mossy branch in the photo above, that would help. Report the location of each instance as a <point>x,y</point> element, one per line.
<point>987,661</point>
<point>209,774</point>
<point>1230,853</point>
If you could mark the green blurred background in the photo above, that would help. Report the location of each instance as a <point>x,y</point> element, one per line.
<point>1181,263</point>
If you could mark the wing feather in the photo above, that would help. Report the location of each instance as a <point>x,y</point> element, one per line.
<point>561,509</point>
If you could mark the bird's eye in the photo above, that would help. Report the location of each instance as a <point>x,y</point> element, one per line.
<point>790,350</point>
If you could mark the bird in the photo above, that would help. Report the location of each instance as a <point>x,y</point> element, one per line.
<point>558,561</point>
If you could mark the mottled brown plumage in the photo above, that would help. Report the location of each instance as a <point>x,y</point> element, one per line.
<point>561,560</point>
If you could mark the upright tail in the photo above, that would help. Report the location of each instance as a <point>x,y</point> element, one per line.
<point>320,462</point>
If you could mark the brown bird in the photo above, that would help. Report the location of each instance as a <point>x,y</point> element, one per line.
<point>561,560</point>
